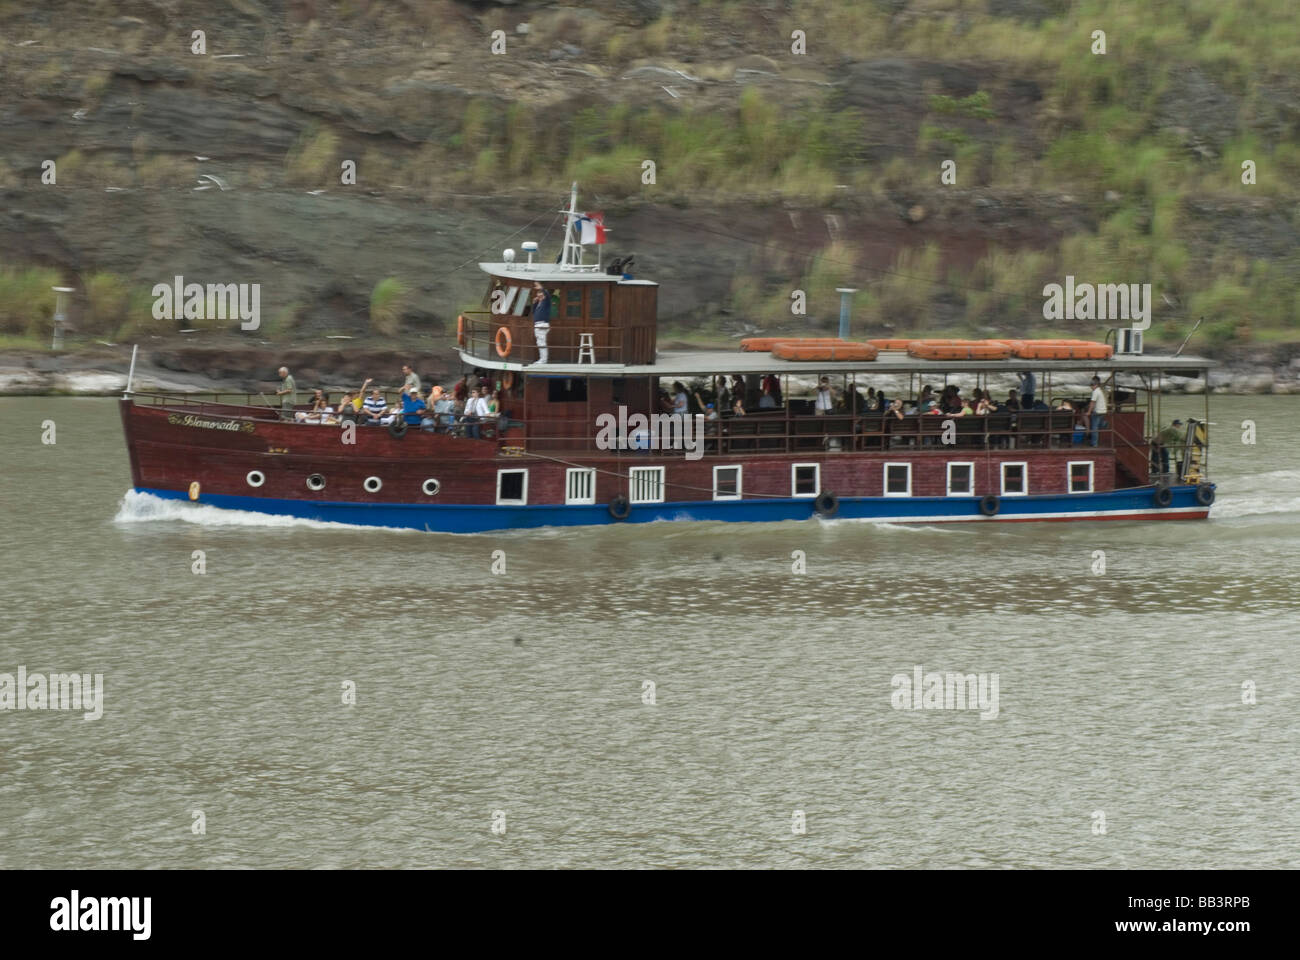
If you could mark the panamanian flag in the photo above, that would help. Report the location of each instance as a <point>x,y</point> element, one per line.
<point>593,227</point>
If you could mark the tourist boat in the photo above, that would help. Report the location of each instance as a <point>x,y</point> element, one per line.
<point>583,439</point>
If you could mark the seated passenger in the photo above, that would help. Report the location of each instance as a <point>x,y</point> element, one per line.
<point>348,408</point>
<point>444,409</point>
<point>681,403</point>
<point>895,411</point>
<point>738,407</point>
<point>767,401</point>
<point>375,409</point>
<point>412,406</point>
<point>1013,401</point>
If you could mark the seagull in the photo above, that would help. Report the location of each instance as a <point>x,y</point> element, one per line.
<point>315,193</point>
<point>80,114</point>
<point>202,158</point>
<point>115,189</point>
<point>28,43</point>
<point>217,180</point>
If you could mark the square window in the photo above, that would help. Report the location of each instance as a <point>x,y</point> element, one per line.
<point>566,390</point>
<point>512,486</point>
<point>646,484</point>
<point>726,483</point>
<point>898,479</point>
<point>1081,476</point>
<point>1015,479</point>
<point>573,303</point>
<point>805,479</point>
<point>580,485</point>
<point>961,479</point>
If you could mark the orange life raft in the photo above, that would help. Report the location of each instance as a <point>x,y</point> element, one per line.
<point>958,350</point>
<point>1062,350</point>
<point>764,344</point>
<point>828,350</point>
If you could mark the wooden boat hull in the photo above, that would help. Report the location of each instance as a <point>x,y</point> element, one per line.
<point>1131,504</point>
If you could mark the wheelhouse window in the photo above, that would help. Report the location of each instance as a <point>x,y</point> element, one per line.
<point>646,484</point>
<point>580,485</point>
<point>573,303</point>
<point>1015,479</point>
<point>596,302</point>
<point>512,487</point>
<point>898,479</point>
<point>567,390</point>
<point>961,479</point>
<point>805,479</point>
<point>726,483</point>
<point>1080,472</point>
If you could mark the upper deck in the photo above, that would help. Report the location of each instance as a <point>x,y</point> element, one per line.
<point>709,362</point>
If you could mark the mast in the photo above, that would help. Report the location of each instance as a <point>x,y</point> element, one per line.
<point>571,258</point>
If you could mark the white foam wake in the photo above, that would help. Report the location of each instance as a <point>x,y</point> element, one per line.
<point>1259,494</point>
<point>137,507</point>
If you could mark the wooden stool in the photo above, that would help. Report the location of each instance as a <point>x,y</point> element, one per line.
<point>586,348</point>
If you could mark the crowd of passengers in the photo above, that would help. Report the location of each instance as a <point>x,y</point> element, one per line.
<point>464,409</point>
<point>727,398</point>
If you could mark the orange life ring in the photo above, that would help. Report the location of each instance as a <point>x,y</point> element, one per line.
<point>508,379</point>
<point>832,350</point>
<point>503,334</point>
<point>958,350</point>
<point>764,344</point>
<point>460,330</point>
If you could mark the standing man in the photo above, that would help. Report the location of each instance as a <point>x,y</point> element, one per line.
<point>1096,411</point>
<point>1027,388</point>
<point>1170,436</point>
<point>287,392</point>
<point>823,404</point>
<point>412,382</point>
<point>541,319</point>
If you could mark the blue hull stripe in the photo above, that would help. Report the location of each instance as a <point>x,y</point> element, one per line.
<point>476,518</point>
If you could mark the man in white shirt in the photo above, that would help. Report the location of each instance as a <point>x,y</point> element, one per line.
<point>476,410</point>
<point>1096,411</point>
<point>823,404</point>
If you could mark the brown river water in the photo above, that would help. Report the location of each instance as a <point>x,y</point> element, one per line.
<point>518,700</point>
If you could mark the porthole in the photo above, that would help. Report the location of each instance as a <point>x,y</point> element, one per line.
<point>315,482</point>
<point>372,484</point>
<point>431,487</point>
<point>255,478</point>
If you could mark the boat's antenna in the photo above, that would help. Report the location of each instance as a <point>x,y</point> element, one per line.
<point>130,374</point>
<point>1188,337</point>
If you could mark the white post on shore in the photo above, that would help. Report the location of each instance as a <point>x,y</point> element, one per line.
<point>130,374</point>
<point>60,315</point>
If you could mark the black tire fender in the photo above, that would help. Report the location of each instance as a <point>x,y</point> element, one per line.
<point>826,504</point>
<point>619,508</point>
<point>1163,496</point>
<point>1205,494</point>
<point>397,429</point>
<point>990,506</point>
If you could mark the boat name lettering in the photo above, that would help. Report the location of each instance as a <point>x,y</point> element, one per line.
<point>189,420</point>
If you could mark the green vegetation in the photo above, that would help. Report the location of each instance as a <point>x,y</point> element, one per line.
<point>386,302</point>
